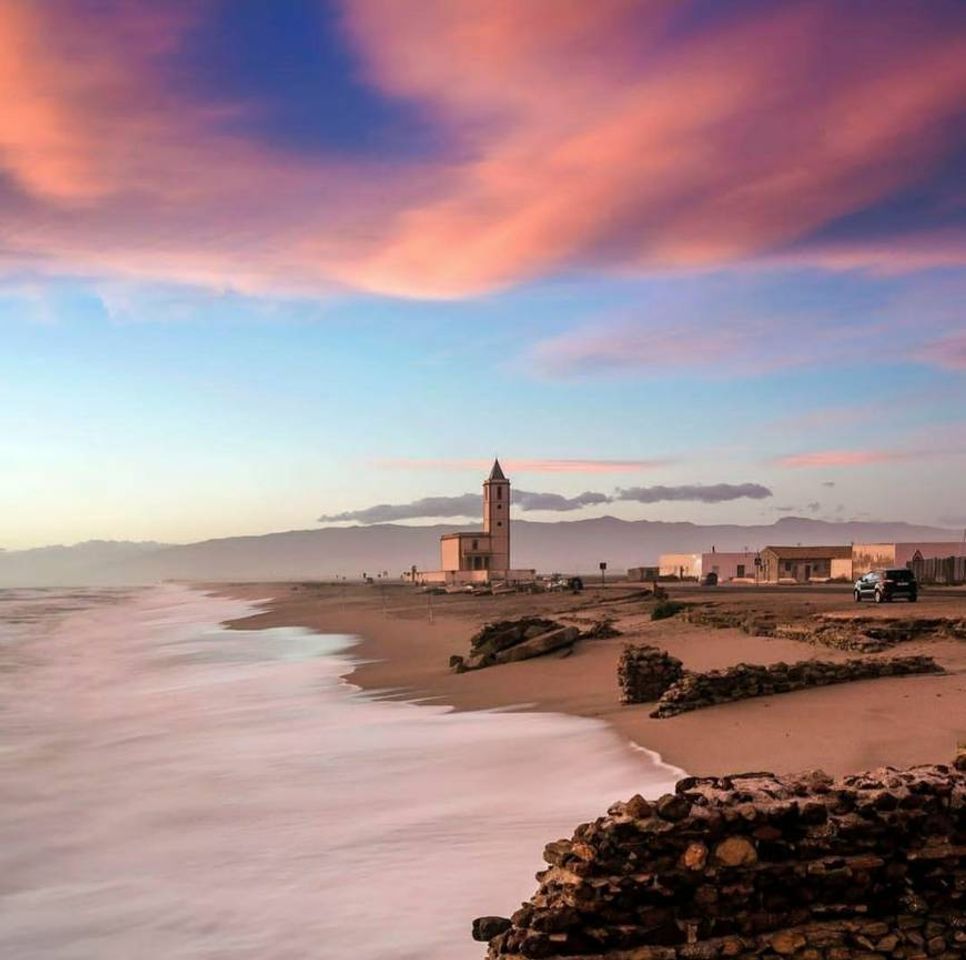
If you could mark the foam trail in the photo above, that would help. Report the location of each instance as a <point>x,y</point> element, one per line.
<point>170,789</point>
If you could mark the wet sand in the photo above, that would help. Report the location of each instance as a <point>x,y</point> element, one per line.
<point>407,639</point>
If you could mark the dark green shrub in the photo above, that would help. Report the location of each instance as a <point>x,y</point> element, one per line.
<point>666,608</point>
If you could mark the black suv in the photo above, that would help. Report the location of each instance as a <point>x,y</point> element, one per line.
<point>886,585</point>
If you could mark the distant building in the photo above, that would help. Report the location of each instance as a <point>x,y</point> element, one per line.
<point>684,566</point>
<point>643,574</point>
<point>729,566</point>
<point>479,556</point>
<point>875,556</point>
<point>802,564</point>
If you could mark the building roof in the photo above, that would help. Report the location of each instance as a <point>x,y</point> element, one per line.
<point>465,534</point>
<point>806,553</point>
<point>497,472</point>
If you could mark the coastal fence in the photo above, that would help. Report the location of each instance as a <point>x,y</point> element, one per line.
<point>945,570</point>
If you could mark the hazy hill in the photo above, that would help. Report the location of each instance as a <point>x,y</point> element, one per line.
<point>92,562</point>
<point>566,546</point>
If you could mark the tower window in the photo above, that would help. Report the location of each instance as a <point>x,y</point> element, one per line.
<point>499,493</point>
<point>499,523</point>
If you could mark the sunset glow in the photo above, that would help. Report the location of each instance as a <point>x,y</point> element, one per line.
<point>282,245</point>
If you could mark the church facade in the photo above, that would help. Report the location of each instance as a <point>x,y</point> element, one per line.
<point>480,556</point>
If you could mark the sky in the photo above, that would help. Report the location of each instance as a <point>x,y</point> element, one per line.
<point>265,263</point>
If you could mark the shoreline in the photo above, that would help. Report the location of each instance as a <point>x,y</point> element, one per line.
<point>404,655</point>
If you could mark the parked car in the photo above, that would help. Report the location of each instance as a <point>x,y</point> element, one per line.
<point>884,586</point>
<point>560,583</point>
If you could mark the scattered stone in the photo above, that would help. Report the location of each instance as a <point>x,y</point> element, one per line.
<point>601,630</point>
<point>486,928</point>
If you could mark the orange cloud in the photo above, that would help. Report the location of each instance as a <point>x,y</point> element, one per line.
<point>576,135</point>
<point>727,146</point>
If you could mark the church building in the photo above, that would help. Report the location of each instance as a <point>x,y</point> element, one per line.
<point>481,556</point>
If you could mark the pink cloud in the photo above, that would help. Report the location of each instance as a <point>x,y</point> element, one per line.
<point>949,352</point>
<point>577,135</point>
<point>529,466</point>
<point>936,441</point>
<point>720,148</point>
<point>843,458</point>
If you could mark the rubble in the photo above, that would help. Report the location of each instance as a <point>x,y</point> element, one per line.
<point>511,640</point>
<point>746,680</point>
<point>758,867</point>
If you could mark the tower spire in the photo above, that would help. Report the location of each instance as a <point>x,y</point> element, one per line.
<point>497,472</point>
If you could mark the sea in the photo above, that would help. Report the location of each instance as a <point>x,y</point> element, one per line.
<point>173,789</point>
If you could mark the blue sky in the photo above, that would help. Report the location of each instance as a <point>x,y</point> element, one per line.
<point>352,255</point>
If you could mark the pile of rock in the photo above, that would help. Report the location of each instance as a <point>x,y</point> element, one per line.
<point>645,672</point>
<point>865,867</point>
<point>745,680</point>
<point>511,640</point>
<point>870,634</point>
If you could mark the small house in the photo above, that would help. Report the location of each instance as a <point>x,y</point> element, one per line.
<point>805,564</point>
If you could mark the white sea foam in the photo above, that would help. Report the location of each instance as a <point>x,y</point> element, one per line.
<point>170,789</point>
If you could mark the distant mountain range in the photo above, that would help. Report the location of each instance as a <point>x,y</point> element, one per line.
<point>565,546</point>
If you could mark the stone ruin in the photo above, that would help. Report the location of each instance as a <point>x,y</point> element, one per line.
<point>861,634</point>
<point>744,680</point>
<point>645,672</point>
<point>870,634</point>
<point>758,867</point>
<point>510,640</point>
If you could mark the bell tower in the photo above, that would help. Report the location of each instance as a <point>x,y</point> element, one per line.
<point>496,517</point>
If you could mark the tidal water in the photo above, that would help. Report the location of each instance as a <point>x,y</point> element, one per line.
<point>171,789</point>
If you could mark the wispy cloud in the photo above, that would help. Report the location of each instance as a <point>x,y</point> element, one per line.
<point>949,352</point>
<point>843,458</point>
<point>469,504</point>
<point>935,442</point>
<point>528,466</point>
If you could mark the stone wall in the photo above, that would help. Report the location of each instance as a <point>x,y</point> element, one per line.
<point>743,681</point>
<point>645,672</point>
<point>758,867</point>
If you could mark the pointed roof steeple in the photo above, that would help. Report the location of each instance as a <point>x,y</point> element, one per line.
<point>497,472</point>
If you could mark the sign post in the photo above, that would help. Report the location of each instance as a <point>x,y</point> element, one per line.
<point>603,572</point>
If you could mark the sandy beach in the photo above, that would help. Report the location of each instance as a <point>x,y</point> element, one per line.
<point>406,639</point>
